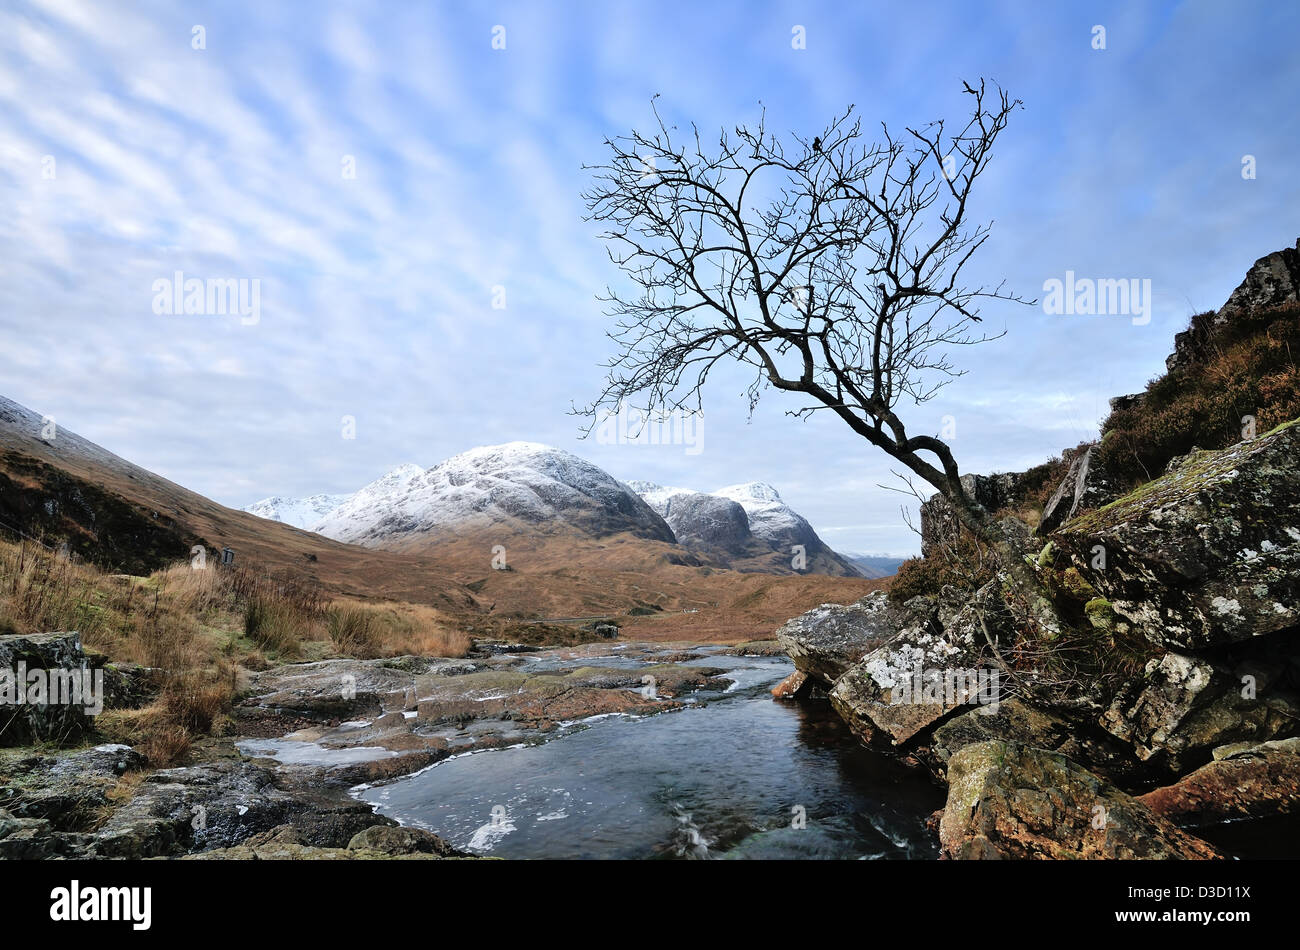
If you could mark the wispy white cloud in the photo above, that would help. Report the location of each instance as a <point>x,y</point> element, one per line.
<point>377,289</point>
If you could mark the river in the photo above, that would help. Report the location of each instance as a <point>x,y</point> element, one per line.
<point>733,775</point>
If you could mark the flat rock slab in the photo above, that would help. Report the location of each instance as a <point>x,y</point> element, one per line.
<point>1246,781</point>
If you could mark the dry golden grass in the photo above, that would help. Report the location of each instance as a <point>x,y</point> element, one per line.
<point>368,631</point>
<point>201,629</point>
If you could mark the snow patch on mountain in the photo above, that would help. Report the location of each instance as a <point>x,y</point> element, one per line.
<point>302,513</point>
<point>770,519</point>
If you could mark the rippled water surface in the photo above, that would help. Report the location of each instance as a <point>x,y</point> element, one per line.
<point>728,777</point>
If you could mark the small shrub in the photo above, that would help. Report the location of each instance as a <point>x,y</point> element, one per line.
<point>166,746</point>
<point>354,632</point>
<point>965,565</point>
<point>195,700</point>
<point>274,624</point>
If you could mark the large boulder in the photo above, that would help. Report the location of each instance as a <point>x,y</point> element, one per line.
<point>1180,708</point>
<point>1206,555</point>
<point>1244,780</point>
<point>933,666</point>
<point>1023,723</point>
<point>827,640</point>
<point>1014,801</point>
<point>56,665</point>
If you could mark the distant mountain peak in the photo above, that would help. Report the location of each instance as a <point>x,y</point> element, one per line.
<point>522,483</point>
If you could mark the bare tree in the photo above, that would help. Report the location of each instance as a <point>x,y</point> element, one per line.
<point>831,267</point>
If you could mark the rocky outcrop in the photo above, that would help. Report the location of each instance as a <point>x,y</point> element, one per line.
<point>1014,801</point>
<point>827,640</point>
<point>46,688</point>
<point>1273,279</point>
<point>1086,485</point>
<point>1244,780</point>
<point>1182,707</point>
<point>938,521</point>
<point>1022,723</point>
<point>1206,555</point>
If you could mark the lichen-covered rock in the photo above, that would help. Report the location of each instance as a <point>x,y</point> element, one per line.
<point>1020,722</point>
<point>1149,710</point>
<point>24,721</point>
<point>827,640</point>
<point>1244,780</point>
<point>67,789</point>
<point>214,805</point>
<point>1182,707</point>
<point>901,688</point>
<point>400,840</point>
<point>1206,555</point>
<point>1013,801</point>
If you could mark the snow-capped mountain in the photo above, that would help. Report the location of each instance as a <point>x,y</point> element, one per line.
<point>524,484</point>
<point>749,519</point>
<point>302,513</point>
<point>539,489</point>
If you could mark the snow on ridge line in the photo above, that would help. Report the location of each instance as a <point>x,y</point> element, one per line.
<point>516,480</point>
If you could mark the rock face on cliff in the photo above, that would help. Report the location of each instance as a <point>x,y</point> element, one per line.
<point>1271,280</point>
<point>939,523</point>
<point>1086,485</point>
<point>1013,801</point>
<point>708,521</point>
<point>1207,555</point>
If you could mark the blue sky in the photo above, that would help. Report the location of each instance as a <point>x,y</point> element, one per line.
<point>377,291</point>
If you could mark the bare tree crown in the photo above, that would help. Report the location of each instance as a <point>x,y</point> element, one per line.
<point>832,267</point>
